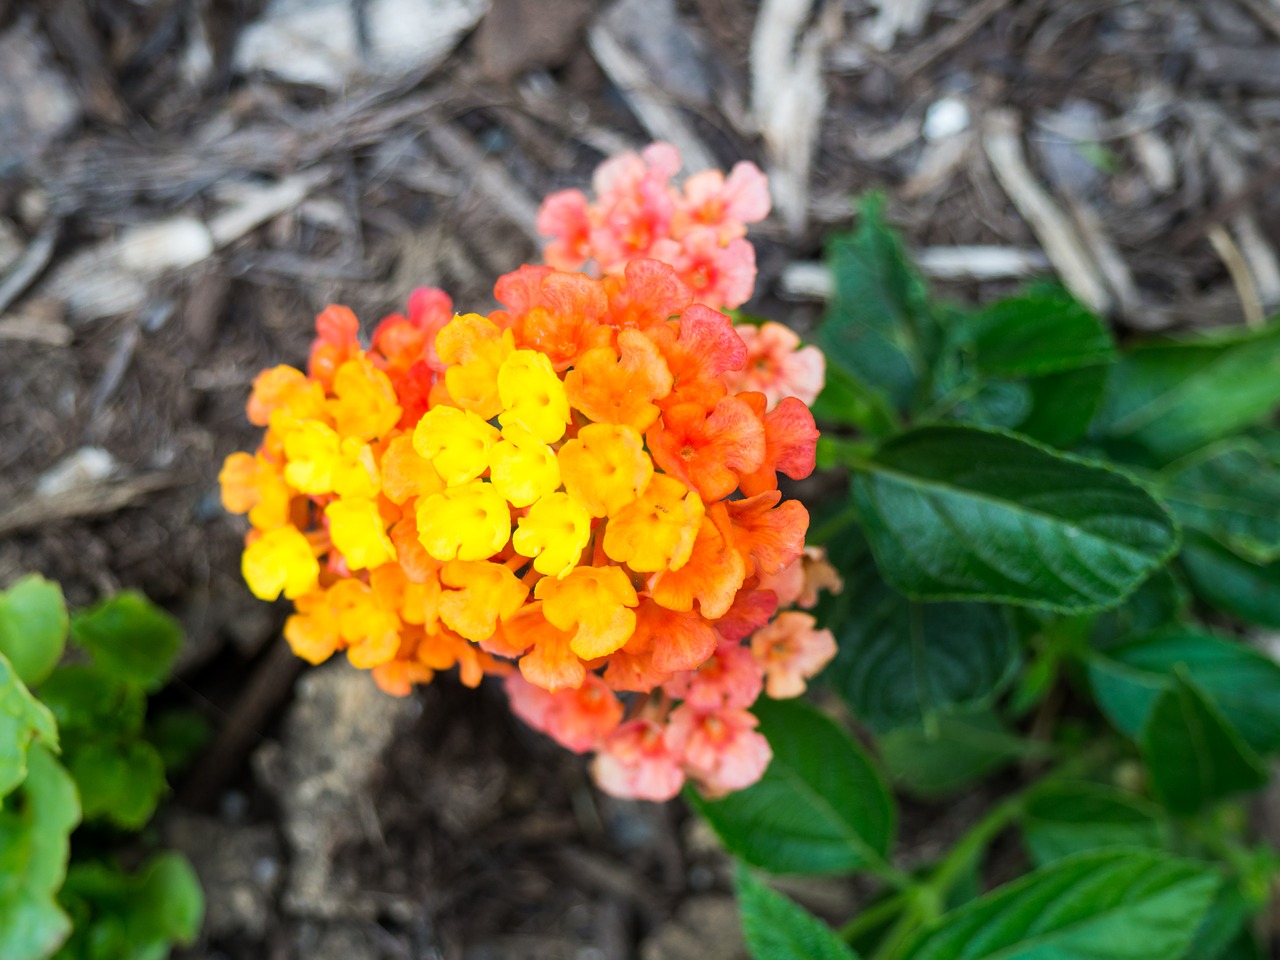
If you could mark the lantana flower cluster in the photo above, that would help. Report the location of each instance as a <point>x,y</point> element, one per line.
<point>577,492</point>
<point>699,228</point>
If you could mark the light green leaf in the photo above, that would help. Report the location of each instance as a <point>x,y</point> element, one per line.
<point>87,702</point>
<point>130,638</point>
<point>902,663</point>
<point>141,915</point>
<point>1243,683</point>
<point>1044,330</point>
<point>1173,397</point>
<point>1066,819</point>
<point>1230,491</point>
<point>33,627</point>
<point>1193,754</point>
<point>1113,905</point>
<point>877,327</point>
<point>777,928</point>
<point>23,720</point>
<point>35,836</point>
<point>960,513</point>
<point>119,781</point>
<point>821,806</point>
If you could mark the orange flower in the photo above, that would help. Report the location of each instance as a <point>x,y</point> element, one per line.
<point>713,574</point>
<point>593,602</point>
<point>619,386</point>
<point>709,450</point>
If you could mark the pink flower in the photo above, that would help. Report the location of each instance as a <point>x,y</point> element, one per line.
<point>818,575</point>
<point>721,749</point>
<point>722,277</point>
<point>776,368</point>
<point>791,651</point>
<point>577,719</point>
<point>731,677</point>
<point>636,762</point>
<point>728,205</point>
<point>563,216</point>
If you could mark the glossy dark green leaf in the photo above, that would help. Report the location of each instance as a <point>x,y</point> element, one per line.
<point>1063,405</point>
<point>821,806</point>
<point>35,836</point>
<point>130,638</point>
<point>1230,491</point>
<point>902,663</point>
<point>1161,601</point>
<point>1193,754</point>
<point>844,401</point>
<point>959,513</point>
<point>954,753</point>
<point>1066,819</point>
<point>777,928</point>
<point>23,721</point>
<point>1114,905</point>
<point>1242,682</point>
<point>1173,397</point>
<point>1230,583</point>
<point>877,327</point>
<point>33,627</point>
<point>1224,933</point>
<point>1044,330</point>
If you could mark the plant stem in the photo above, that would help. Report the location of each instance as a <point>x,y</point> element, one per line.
<point>873,916</point>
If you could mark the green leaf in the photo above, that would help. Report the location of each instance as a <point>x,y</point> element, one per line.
<point>1192,752</point>
<point>959,513</point>
<point>1113,905</point>
<point>130,638</point>
<point>956,752</point>
<point>1243,683</point>
<point>1161,601</point>
<point>1066,819</point>
<point>1224,934</point>
<point>777,928</point>
<point>877,327</point>
<point>1043,331</point>
<point>87,702</point>
<point>1063,405</point>
<point>33,627</point>
<point>1175,396</point>
<point>902,663</point>
<point>1230,491</point>
<point>121,781</point>
<point>141,916</point>
<point>179,736</point>
<point>1230,583</point>
<point>23,720</point>
<point>821,806</point>
<point>35,828</point>
<point>845,401</point>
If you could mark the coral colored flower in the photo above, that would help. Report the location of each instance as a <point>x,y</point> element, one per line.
<point>769,532</point>
<point>778,366</point>
<point>709,449</point>
<point>578,719</point>
<point>718,274</point>
<point>728,204</point>
<point>721,750</point>
<point>636,762</point>
<point>730,677</point>
<point>790,444</point>
<point>791,650</point>
<point>280,561</point>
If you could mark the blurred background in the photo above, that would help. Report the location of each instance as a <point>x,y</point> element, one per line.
<point>183,185</point>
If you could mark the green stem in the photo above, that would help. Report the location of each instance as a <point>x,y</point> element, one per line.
<point>873,916</point>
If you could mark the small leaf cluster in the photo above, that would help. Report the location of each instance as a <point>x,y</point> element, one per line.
<point>75,749</point>
<point>1052,546</point>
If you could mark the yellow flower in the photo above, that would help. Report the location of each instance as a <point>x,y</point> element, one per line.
<point>457,442</point>
<point>522,467</point>
<point>594,602</point>
<point>355,474</point>
<point>365,405</point>
<point>358,531</point>
<point>312,450</point>
<point>475,348</point>
<point>483,594</point>
<point>532,395</point>
<point>554,532</point>
<point>280,560</point>
<point>657,531</point>
<point>467,522</point>
<point>605,467</point>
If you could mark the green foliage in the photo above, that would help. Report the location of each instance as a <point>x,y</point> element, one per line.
<point>821,807</point>
<point>1040,524</point>
<point>94,714</point>
<point>777,928</point>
